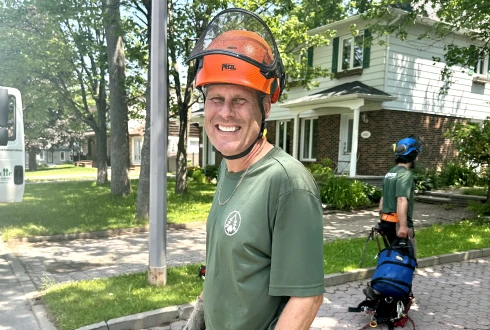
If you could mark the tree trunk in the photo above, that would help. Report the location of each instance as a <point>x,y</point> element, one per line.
<point>143,200</point>
<point>101,154</point>
<point>101,135</point>
<point>488,192</point>
<point>120,182</point>
<point>32,160</point>
<point>181,160</point>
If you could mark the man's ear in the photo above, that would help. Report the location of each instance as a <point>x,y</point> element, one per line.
<point>267,105</point>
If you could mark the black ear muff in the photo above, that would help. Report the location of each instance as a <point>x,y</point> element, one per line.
<point>401,148</point>
<point>274,86</point>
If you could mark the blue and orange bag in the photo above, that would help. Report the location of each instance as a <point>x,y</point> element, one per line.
<point>394,271</point>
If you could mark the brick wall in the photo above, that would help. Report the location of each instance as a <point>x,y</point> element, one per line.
<point>388,127</point>
<point>375,155</point>
<point>328,137</point>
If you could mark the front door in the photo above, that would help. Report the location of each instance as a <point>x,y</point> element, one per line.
<point>345,144</point>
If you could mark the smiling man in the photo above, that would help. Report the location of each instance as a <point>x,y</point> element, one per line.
<point>264,233</point>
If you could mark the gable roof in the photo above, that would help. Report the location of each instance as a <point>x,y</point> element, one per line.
<point>354,87</point>
<point>346,91</point>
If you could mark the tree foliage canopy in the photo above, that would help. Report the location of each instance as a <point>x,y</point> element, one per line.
<point>444,19</point>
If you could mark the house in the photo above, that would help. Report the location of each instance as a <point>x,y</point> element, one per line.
<point>378,95</point>
<point>54,156</point>
<point>136,129</point>
<point>136,137</point>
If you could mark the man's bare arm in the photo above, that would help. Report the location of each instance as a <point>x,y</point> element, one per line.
<point>401,211</point>
<point>299,313</point>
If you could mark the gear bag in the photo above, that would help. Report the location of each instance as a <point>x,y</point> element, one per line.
<point>394,271</point>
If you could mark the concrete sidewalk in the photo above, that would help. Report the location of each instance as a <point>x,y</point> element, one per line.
<point>19,309</point>
<point>64,261</point>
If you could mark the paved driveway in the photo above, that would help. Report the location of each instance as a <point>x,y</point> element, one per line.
<point>62,261</point>
<point>452,296</point>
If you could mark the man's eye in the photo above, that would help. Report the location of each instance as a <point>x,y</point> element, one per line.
<point>239,101</point>
<point>217,99</point>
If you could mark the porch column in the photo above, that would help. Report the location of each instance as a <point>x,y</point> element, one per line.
<point>204,148</point>
<point>355,136</point>
<point>295,136</point>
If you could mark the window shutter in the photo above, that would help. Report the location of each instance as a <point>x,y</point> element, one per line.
<point>366,55</point>
<point>310,57</point>
<point>335,54</point>
<point>488,68</point>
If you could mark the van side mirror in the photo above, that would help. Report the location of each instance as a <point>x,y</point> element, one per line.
<point>4,107</point>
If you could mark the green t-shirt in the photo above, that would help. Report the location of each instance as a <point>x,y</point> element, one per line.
<point>264,245</point>
<point>398,182</point>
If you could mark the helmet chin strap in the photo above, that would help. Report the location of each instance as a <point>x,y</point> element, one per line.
<point>262,133</point>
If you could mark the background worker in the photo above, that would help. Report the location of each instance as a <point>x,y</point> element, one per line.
<point>264,232</point>
<point>396,204</point>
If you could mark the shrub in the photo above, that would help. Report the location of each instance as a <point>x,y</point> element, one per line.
<point>211,172</point>
<point>372,192</point>
<point>481,209</point>
<point>425,179</point>
<point>457,175</point>
<point>198,176</point>
<point>321,171</point>
<point>343,194</point>
<point>191,170</point>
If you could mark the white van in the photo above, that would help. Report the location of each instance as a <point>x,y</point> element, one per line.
<point>12,148</point>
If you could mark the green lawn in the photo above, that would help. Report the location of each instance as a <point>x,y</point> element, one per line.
<point>475,191</point>
<point>77,304</point>
<point>72,306</point>
<point>76,207</point>
<point>71,172</point>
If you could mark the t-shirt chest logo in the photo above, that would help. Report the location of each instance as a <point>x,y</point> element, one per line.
<point>390,176</point>
<point>232,223</point>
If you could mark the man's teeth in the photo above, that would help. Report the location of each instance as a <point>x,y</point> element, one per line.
<point>228,128</point>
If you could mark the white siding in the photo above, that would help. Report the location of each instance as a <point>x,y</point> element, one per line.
<point>415,78</point>
<point>372,76</point>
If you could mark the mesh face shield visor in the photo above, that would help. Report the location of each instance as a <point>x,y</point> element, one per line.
<point>238,48</point>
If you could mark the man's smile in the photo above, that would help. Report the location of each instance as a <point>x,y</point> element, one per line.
<point>228,128</point>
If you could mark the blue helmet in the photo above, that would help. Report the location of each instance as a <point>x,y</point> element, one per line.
<point>407,145</point>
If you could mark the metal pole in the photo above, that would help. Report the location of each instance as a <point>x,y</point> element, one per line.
<point>157,268</point>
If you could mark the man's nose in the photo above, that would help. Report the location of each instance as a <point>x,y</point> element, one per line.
<point>227,110</point>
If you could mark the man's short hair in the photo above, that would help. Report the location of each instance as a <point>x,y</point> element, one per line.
<point>405,159</point>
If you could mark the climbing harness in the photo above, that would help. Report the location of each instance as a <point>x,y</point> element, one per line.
<point>374,236</point>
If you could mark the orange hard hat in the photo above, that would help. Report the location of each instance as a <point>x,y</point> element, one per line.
<point>233,54</point>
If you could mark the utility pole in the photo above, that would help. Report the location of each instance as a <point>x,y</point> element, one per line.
<point>157,268</point>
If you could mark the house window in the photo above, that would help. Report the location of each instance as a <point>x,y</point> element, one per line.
<point>50,156</point>
<point>282,135</point>
<point>62,156</point>
<point>137,149</point>
<point>309,137</point>
<point>481,67</point>
<point>41,155</point>
<point>193,146</point>
<point>351,52</point>
<point>350,129</point>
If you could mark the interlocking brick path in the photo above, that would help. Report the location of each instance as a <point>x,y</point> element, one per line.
<point>453,296</point>
<point>449,296</point>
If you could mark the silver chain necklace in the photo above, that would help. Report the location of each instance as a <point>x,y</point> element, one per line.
<point>236,187</point>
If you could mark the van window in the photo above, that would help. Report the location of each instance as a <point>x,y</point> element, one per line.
<point>11,118</point>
